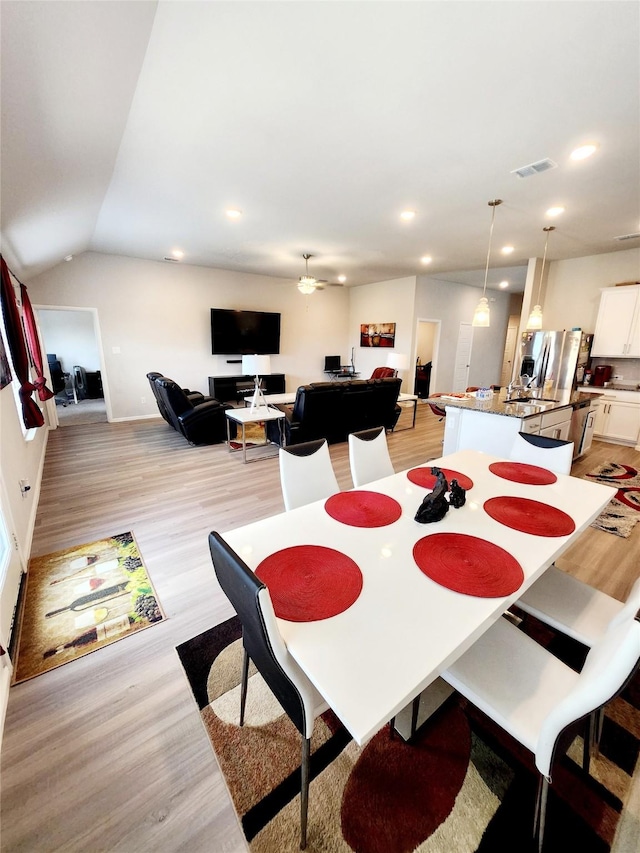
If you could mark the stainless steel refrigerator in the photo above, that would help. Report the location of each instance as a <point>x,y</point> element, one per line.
<point>555,360</point>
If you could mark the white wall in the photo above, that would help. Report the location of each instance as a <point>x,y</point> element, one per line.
<point>71,336</point>
<point>158,316</point>
<point>384,302</point>
<point>20,459</point>
<point>453,304</point>
<point>573,288</point>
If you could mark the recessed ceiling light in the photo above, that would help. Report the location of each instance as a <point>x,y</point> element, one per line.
<point>234,213</point>
<point>426,259</point>
<point>407,215</point>
<point>68,258</point>
<point>555,211</point>
<point>178,253</point>
<point>503,285</point>
<point>506,250</point>
<point>584,151</point>
<point>342,279</point>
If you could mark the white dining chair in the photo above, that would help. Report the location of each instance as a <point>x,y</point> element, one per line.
<point>263,644</point>
<point>369,456</point>
<point>306,473</point>
<point>573,607</point>
<point>550,453</point>
<point>578,610</point>
<point>535,697</point>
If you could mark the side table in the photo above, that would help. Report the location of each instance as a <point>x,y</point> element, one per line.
<point>406,399</point>
<point>246,416</point>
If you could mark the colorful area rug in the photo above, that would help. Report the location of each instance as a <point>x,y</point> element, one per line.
<point>463,785</point>
<point>81,599</point>
<point>623,512</point>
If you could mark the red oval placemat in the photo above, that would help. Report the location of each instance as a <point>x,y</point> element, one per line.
<point>363,509</point>
<point>520,472</point>
<point>310,582</point>
<point>529,516</point>
<point>423,477</point>
<point>468,564</point>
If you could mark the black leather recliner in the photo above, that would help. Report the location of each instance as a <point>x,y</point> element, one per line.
<point>195,396</point>
<point>200,422</point>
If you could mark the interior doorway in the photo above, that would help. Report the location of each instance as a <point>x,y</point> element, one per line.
<point>509,350</point>
<point>427,343</point>
<point>71,341</point>
<point>463,358</point>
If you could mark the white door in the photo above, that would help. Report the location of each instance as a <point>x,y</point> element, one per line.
<point>463,358</point>
<point>509,353</point>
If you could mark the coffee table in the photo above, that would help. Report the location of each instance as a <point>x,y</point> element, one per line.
<point>247,416</point>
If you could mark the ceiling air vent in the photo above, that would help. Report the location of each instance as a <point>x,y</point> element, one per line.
<point>628,236</point>
<point>534,168</point>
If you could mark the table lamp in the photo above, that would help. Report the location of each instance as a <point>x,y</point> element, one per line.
<point>397,361</point>
<point>256,366</point>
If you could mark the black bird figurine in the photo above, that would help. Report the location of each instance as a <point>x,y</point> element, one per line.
<point>435,506</point>
<point>457,495</point>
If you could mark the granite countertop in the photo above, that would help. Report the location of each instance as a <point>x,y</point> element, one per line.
<point>612,386</point>
<point>536,405</point>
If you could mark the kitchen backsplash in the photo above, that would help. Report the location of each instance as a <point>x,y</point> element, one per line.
<point>626,368</point>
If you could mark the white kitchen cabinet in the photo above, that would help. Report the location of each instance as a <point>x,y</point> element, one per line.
<point>560,431</point>
<point>617,330</point>
<point>556,424</point>
<point>618,420</point>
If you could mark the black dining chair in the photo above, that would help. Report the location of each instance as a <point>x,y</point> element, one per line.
<point>263,644</point>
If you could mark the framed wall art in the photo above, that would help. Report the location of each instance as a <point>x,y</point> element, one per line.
<point>377,334</point>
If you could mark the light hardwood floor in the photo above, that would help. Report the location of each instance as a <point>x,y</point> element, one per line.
<point>107,753</point>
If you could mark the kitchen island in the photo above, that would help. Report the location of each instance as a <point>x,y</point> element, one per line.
<point>492,425</point>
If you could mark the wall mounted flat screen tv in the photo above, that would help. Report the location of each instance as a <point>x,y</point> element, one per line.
<point>244,332</point>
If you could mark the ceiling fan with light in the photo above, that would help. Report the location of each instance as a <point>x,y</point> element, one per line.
<point>308,284</point>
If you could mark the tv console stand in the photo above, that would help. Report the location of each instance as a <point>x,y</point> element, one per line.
<point>232,389</point>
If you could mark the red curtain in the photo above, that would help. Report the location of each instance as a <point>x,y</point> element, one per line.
<point>33,342</point>
<point>31,414</point>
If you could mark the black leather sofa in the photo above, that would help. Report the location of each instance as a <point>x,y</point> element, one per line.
<point>332,410</point>
<point>201,420</point>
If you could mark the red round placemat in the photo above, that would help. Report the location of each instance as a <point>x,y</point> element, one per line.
<point>520,472</point>
<point>423,477</point>
<point>310,582</point>
<point>529,516</point>
<point>468,564</point>
<point>363,509</point>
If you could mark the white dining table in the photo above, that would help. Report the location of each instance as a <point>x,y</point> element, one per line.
<point>371,660</point>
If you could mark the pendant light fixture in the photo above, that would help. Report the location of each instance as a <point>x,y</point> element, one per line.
<point>307,283</point>
<point>535,318</point>
<point>481,315</point>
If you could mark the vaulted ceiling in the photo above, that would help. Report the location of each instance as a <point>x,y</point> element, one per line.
<point>132,127</point>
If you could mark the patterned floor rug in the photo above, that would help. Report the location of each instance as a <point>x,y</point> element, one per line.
<point>623,512</point>
<point>81,599</point>
<point>462,786</point>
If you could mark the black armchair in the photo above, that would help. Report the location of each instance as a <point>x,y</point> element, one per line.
<point>195,396</point>
<point>200,422</point>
